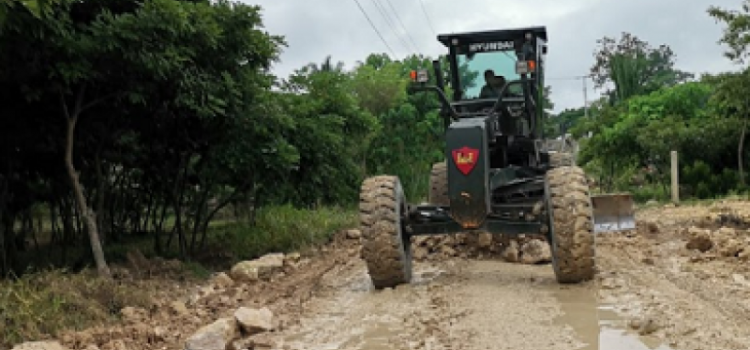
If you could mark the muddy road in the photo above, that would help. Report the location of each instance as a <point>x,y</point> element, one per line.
<point>681,281</point>
<point>456,304</point>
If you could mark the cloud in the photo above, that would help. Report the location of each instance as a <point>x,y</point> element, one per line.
<point>316,29</point>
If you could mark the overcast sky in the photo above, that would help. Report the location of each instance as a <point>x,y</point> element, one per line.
<point>316,28</point>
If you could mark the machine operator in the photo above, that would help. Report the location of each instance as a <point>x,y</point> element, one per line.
<point>493,85</point>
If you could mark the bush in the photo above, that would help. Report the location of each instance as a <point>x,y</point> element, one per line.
<point>283,229</point>
<point>703,182</point>
<point>654,192</point>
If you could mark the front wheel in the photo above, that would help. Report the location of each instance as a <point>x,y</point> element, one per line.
<point>571,227</point>
<point>385,248</point>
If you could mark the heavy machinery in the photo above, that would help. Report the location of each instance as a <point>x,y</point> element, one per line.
<point>499,175</point>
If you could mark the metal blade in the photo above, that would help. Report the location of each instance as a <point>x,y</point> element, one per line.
<point>613,212</point>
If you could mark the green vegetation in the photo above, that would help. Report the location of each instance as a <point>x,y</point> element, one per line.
<point>157,125</point>
<point>283,229</point>
<point>37,306</point>
<point>652,109</point>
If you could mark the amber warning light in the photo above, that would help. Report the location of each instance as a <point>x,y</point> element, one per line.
<point>525,67</point>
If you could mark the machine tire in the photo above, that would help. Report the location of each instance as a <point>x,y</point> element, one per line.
<point>439,184</point>
<point>385,246</point>
<point>557,160</point>
<point>571,224</point>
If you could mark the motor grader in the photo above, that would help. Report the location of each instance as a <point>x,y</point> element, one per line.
<point>499,176</point>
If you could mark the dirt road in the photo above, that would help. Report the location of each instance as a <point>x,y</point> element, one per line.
<point>680,281</point>
<point>458,304</point>
<point>665,286</point>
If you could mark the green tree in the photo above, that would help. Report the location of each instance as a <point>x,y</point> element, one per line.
<point>733,88</point>
<point>634,67</point>
<point>175,123</point>
<point>737,31</point>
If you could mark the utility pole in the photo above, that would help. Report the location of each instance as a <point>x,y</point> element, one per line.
<point>585,97</point>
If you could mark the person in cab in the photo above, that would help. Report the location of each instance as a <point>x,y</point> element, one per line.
<point>493,85</point>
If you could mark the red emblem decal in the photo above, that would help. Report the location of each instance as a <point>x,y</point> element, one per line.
<point>465,159</point>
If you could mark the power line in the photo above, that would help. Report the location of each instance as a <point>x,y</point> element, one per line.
<point>374,28</point>
<point>406,31</point>
<point>379,6</point>
<point>574,77</point>
<point>421,2</point>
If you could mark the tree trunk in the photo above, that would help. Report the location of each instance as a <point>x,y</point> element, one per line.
<point>741,153</point>
<point>88,214</point>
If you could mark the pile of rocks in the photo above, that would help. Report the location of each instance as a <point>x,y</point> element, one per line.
<point>524,249</point>
<point>238,332</point>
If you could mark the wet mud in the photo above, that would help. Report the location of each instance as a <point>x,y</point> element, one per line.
<point>651,292</point>
<point>680,281</point>
<point>461,304</point>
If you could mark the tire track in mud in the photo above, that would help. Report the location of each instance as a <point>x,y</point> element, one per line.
<point>454,304</point>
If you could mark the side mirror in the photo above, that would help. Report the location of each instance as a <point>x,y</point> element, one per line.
<point>420,76</point>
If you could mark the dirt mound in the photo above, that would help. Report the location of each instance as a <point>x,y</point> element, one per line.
<point>724,242</point>
<point>723,215</point>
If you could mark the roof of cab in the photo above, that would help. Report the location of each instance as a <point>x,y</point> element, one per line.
<point>484,36</point>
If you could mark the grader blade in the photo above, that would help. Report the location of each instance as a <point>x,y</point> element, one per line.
<point>613,212</point>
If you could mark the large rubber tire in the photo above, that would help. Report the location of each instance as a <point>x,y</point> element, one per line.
<point>571,224</point>
<point>385,247</point>
<point>560,159</point>
<point>439,184</point>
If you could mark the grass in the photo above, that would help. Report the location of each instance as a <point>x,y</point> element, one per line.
<point>282,229</point>
<point>40,304</point>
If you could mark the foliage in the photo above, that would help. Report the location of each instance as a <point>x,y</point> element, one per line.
<point>634,67</point>
<point>282,229</point>
<point>737,31</point>
<point>177,121</point>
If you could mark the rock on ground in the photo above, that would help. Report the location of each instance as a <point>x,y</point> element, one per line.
<point>535,252</point>
<point>40,345</point>
<point>179,308</point>
<point>699,240</point>
<point>215,336</point>
<point>254,321</point>
<point>484,240</point>
<point>511,252</point>
<point>133,314</point>
<point>222,280</point>
<point>353,234</point>
<point>253,270</point>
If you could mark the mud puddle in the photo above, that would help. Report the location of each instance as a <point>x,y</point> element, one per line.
<point>599,326</point>
<point>357,317</point>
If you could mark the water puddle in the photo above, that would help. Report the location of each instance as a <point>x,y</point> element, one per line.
<point>373,338</point>
<point>599,326</point>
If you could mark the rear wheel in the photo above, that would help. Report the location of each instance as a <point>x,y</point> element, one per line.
<point>385,248</point>
<point>571,226</point>
<point>439,184</point>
